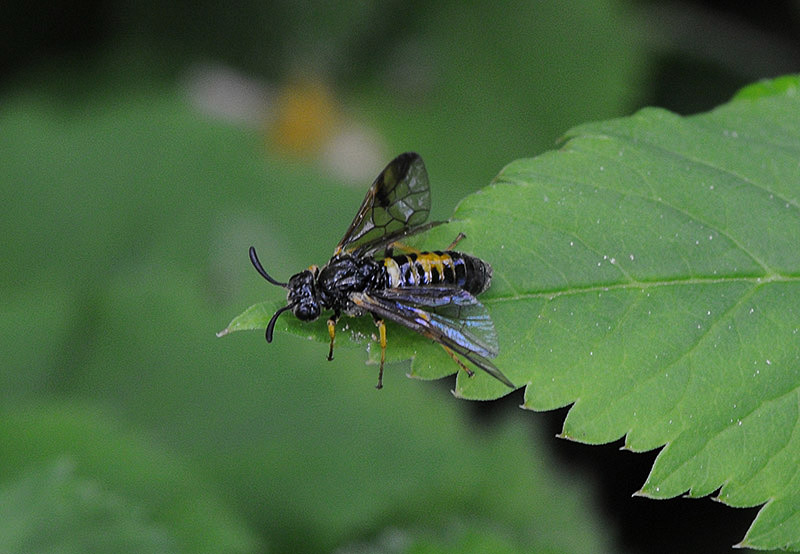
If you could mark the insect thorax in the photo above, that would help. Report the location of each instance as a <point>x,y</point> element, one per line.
<point>344,275</point>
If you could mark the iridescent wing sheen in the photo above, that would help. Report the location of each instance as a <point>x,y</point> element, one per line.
<point>396,205</point>
<point>455,311</point>
<point>448,315</point>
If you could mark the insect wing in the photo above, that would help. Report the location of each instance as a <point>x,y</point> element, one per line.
<point>454,318</point>
<point>457,313</point>
<point>396,205</point>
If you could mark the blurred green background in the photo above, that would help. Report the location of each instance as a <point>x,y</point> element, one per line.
<point>145,145</point>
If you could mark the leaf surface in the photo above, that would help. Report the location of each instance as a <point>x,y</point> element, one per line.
<point>663,295</point>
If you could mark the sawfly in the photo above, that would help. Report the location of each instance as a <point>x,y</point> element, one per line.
<point>372,271</point>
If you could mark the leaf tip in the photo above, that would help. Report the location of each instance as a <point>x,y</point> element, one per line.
<point>527,405</point>
<point>224,332</point>
<point>566,436</point>
<point>718,498</point>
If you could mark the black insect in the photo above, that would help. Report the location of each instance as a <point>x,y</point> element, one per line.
<point>432,293</point>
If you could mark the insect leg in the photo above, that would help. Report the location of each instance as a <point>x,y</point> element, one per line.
<point>332,332</point>
<point>402,247</point>
<point>457,360</point>
<point>458,239</point>
<point>382,332</point>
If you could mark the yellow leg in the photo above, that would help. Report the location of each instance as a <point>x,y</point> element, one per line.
<point>457,360</point>
<point>332,333</point>
<point>382,332</point>
<point>410,250</point>
<point>406,249</point>
<point>458,239</point>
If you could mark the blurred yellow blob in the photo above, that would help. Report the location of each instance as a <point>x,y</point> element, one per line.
<point>305,117</point>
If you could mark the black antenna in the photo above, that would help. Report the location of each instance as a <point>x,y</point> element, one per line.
<point>265,275</point>
<point>272,321</point>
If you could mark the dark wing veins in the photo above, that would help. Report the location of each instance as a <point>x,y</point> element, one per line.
<point>396,205</point>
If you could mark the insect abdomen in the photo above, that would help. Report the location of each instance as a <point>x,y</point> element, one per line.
<point>438,268</point>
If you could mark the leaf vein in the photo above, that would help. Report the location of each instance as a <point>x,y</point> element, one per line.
<point>643,285</point>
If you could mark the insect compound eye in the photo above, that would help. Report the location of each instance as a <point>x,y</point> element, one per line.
<point>307,311</point>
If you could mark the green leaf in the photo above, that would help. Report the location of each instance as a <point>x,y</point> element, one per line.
<point>648,273</point>
<point>663,294</point>
<point>780,86</point>
<point>255,317</point>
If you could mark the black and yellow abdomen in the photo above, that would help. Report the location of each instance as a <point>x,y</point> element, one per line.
<point>438,268</point>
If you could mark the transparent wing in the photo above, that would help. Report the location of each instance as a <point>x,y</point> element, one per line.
<point>454,311</point>
<point>447,315</point>
<point>396,205</point>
